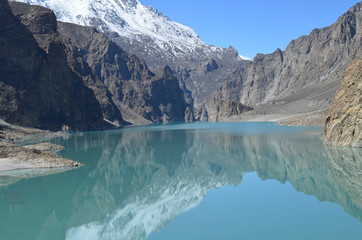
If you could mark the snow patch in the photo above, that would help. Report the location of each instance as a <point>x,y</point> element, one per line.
<point>245,58</point>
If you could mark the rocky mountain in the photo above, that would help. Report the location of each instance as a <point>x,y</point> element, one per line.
<point>38,88</point>
<point>303,78</point>
<point>344,120</point>
<point>150,35</point>
<point>123,86</point>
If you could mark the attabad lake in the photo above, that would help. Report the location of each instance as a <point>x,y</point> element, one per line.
<point>118,121</point>
<point>246,180</point>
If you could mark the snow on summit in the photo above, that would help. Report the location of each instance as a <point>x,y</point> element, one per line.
<point>127,18</point>
<point>132,20</point>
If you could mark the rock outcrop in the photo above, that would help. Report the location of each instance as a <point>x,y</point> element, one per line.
<point>222,111</point>
<point>304,77</point>
<point>343,124</point>
<point>14,157</point>
<point>37,87</point>
<point>199,79</point>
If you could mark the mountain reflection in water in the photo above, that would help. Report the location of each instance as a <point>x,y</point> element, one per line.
<point>137,180</point>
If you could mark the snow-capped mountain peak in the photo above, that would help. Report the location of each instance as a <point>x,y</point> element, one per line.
<point>136,24</point>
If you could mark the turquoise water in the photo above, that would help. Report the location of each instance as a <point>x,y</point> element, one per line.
<point>191,181</point>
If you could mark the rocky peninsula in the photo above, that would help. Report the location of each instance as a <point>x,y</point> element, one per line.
<point>42,155</point>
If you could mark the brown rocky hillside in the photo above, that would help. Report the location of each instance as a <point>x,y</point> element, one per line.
<point>344,120</point>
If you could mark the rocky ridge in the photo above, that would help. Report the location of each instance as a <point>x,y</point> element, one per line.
<point>277,83</point>
<point>343,125</point>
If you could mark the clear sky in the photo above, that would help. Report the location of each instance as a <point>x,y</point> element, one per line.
<point>259,26</point>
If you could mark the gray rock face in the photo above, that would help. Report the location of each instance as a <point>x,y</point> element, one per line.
<point>131,86</point>
<point>103,66</point>
<point>220,110</point>
<point>201,78</point>
<point>201,114</point>
<point>38,88</point>
<point>304,77</point>
<point>227,108</point>
<point>344,120</point>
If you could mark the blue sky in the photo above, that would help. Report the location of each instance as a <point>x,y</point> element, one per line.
<point>252,26</point>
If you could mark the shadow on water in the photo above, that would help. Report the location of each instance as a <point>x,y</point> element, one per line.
<point>136,180</point>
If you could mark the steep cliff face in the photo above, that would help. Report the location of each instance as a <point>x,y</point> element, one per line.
<point>20,61</point>
<point>227,108</point>
<point>220,110</point>
<point>304,77</point>
<point>122,84</point>
<point>344,120</point>
<point>38,89</point>
<point>130,84</point>
<point>103,66</point>
<point>167,99</point>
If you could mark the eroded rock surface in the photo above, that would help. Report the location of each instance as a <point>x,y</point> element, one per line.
<point>343,125</point>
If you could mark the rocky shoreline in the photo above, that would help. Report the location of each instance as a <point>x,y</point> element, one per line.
<point>42,155</point>
<point>316,119</point>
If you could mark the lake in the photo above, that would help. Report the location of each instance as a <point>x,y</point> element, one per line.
<point>191,181</point>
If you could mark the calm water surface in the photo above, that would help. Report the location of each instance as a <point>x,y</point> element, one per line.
<point>191,181</point>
